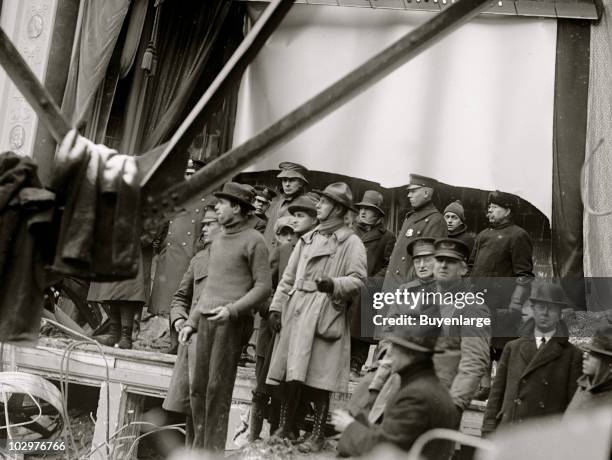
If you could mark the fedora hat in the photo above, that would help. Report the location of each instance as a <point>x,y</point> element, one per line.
<point>291,170</point>
<point>418,181</point>
<point>549,292</point>
<point>240,193</point>
<point>372,199</point>
<point>306,203</point>
<point>601,342</point>
<point>339,193</point>
<point>453,248</point>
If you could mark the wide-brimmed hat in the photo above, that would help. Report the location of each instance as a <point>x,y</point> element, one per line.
<point>291,170</point>
<point>263,192</point>
<point>340,193</point>
<point>601,342</point>
<point>418,181</point>
<point>548,292</point>
<point>453,248</point>
<point>371,199</point>
<point>503,199</point>
<point>456,208</point>
<point>210,215</point>
<point>306,203</point>
<point>240,193</point>
<point>421,247</point>
<point>283,222</point>
<point>421,338</point>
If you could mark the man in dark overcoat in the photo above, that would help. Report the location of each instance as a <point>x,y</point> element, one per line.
<point>420,404</point>
<point>423,220</point>
<point>537,374</point>
<point>454,215</point>
<point>379,243</point>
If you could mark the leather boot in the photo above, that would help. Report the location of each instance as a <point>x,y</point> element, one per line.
<point>317,439</point>
<point>258,410</point>
<point>127,325</point>
<point>291,399</point>
<point>112,336</point>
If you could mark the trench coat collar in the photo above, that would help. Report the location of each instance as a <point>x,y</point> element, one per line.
<point>423,212</point>
<point>341,234</point>
<point>245,224</point>
<point>535,357</point>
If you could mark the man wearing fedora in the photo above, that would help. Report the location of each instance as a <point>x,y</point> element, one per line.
<point>379,243</point>
<point>420,404</point>
<point>293,182</point>
<point>239,281</point>
<point>464,358</point>
<point>454,215</point>
<point>537,373</point>
<point>325,272</point>
<point>502,263</point>
<point>303,219</point>
<point>423,220</point>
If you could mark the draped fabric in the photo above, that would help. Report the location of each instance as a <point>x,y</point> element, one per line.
<point>569,137</point>
<point>191,46</point>
<point>598,171</point>
<point>98,28</point>
<point>133,36</point>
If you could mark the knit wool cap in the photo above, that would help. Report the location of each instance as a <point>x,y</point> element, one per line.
<point>456,208</point>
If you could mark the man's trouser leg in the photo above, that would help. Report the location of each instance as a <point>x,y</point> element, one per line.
<point>359,354</point>
<point>218,352</point>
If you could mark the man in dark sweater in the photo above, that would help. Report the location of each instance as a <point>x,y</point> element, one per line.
<point>239,281</point>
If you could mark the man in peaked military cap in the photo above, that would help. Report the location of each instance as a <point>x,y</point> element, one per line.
<point>424,220</point>
<point>263,198</point>
<point>294,182</point>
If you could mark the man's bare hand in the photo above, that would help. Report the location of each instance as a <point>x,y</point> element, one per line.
<point>178,324</point>
<point>341,419</point>
<point>221,315</point>
<point>185,334</point>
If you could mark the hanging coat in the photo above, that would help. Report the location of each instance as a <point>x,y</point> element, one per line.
<point>313,346</point>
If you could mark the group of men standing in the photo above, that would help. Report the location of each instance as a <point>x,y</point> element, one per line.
<point>304,271</point>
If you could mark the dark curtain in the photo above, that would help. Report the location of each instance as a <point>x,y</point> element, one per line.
<point>569,140</point>
<point>194,40</point>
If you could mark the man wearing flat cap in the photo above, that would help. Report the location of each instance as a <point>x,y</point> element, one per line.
<point>502,263</point>
<point>424,220</point>
<point>325,272</point>
<point>294,182</point>
<point>537,373</point>
<point>239,281</point>
<point>379,243</point>
<point>464,360</point>
<point>420,404</point>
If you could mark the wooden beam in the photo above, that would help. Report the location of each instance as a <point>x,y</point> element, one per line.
<point>163,206</point>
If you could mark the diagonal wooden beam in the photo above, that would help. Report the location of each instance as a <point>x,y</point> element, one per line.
<point>164,205</point>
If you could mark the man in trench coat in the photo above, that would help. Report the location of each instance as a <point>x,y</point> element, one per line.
<point>312,352</point>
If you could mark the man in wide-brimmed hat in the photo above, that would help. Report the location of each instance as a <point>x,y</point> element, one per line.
<point>420,404</point>
<point>302,220</point>
<point>423,220</point>
<point>502,263</point>
<point>379,243</point>
<point>238,282</point>
<point>293,182</point>
<point>537,373</point>
<point>325,272</point>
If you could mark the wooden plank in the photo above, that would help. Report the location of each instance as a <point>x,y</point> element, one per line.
<point>164,206</point>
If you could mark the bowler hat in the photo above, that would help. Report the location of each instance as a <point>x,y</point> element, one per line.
<point>340,193</point>
<point>453,248</point>
<point>240,193</point>
<point>291,170</point>
<point>549,292</point>
<point>418,181</point>
<point>418,337</point>
<point>306,203</point>
<point>209,215</point>
<point>283,222</point>
<point>601,342</point>
<point>456,208</point>
<point>371,199</point>
<point>503,199</point>
<point>264,192</point>
<point>421,247</point>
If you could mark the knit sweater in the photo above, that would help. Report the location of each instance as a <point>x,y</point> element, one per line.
<point>238,272</point>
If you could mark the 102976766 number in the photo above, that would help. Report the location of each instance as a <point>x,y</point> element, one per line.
<point>36,446</point>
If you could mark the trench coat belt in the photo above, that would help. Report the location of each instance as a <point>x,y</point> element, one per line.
<point>304,285</point>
